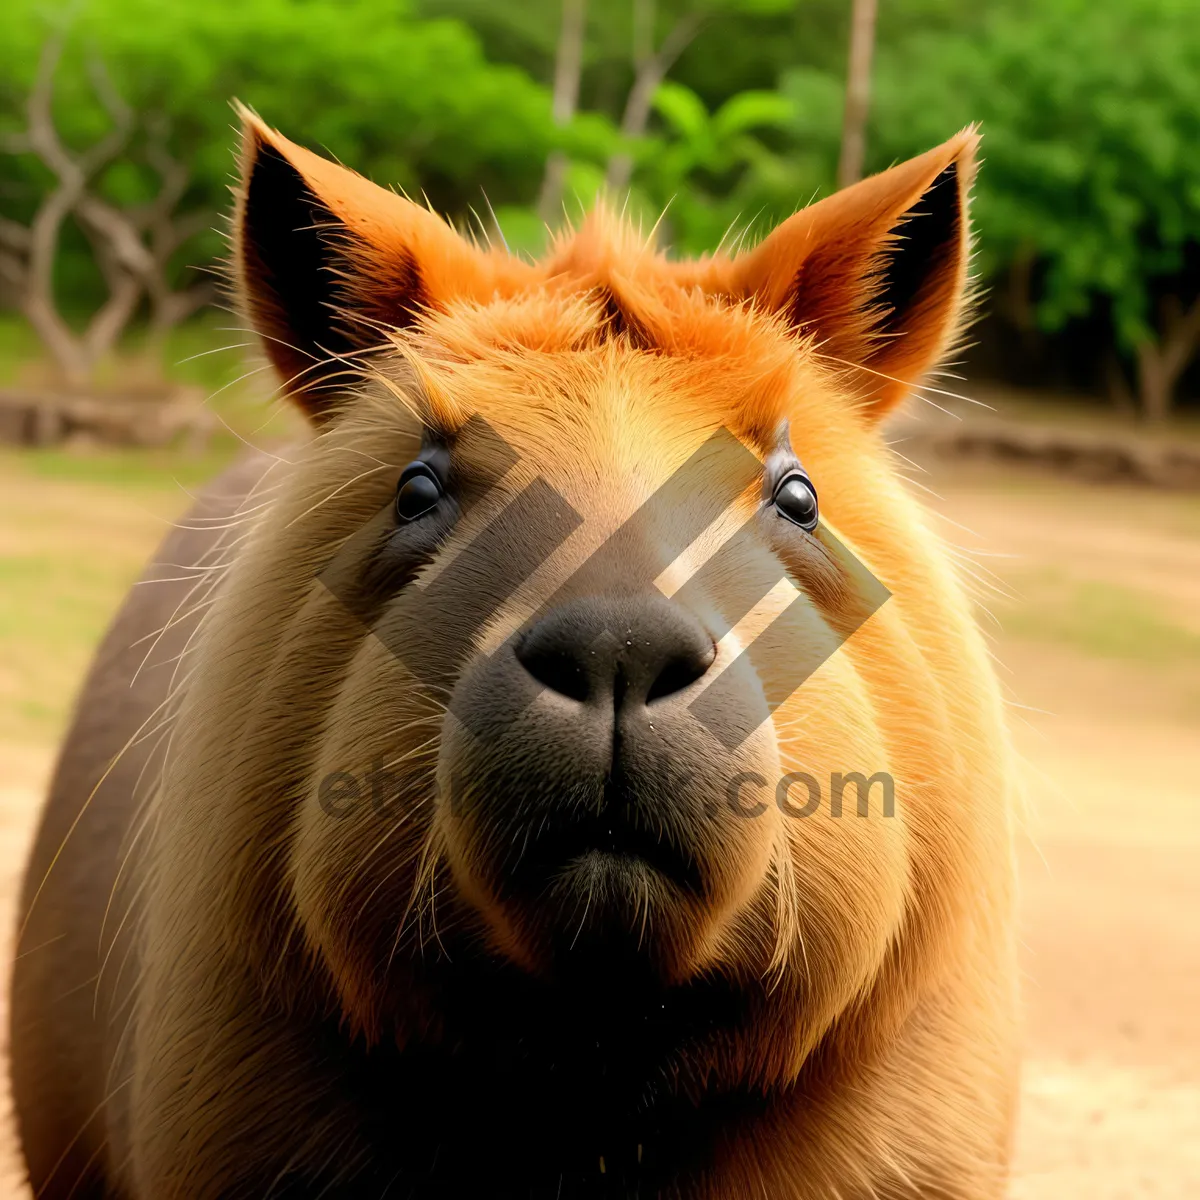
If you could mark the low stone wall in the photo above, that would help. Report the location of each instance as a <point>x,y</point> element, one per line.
<point>1103,455</point>
<point>30,418</point>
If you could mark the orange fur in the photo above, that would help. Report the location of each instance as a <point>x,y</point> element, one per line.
<point>870,959</point>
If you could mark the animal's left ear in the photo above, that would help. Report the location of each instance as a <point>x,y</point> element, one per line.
<point>877,272</point>
<point>326,264</point>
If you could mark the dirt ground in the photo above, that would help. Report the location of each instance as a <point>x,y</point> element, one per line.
<point>1108,722</point>
<point>1095,592</point>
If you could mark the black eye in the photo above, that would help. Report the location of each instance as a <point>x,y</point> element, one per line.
<point>417,492</point>
<point>796,499</point>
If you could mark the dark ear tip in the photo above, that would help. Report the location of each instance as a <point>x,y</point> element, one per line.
<point>256,139</point>
<point>282,224</point>
<point>929,232</point>
<point>946,187</point>
<point>252,141</point>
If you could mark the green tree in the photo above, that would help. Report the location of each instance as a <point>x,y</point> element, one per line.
<point>725,113</point>
<point>412,102</point>
<point>631,48</point>
<point>1090,189</point>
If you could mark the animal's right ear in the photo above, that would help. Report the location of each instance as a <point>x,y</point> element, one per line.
<point>876,274</point>
<point>326,263</point>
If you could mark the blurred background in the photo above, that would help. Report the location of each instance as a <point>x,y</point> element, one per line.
<point>1060,456</point>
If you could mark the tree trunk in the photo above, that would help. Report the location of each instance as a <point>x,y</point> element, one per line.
<point>858,93</point>
<point>64,348</point>
<point>38,303</point>
<point>1154,388</point>
<point>568,70</point>
<point>650,69</point>
<point>30,257</point>
<point>1162,362</point>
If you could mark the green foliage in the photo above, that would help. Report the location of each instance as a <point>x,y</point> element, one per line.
<point>701,164</point>
<point>1090,111</point>
<point>741,45</point>
<point>411,102</point>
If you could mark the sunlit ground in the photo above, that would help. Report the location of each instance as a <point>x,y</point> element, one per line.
<point>1097,627</point>
<point>1098,638</point>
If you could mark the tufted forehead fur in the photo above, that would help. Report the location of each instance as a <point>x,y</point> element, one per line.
<point>870,282</point>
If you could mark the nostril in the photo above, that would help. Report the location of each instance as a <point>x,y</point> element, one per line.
<point>559,670</point>
<point>679,672</point>
<point>577,652</point>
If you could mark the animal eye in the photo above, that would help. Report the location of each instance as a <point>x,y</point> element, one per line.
<point>417,492</point>
<point>796,499</point>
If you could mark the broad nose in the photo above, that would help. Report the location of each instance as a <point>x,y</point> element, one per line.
<point>623,652</point>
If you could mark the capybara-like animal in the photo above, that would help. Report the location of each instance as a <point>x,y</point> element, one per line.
<point>573,770</point>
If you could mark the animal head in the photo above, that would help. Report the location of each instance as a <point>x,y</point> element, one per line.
<point>589,567</point>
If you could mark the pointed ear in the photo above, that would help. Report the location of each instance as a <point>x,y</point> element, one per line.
<point>326,262</point>
<point>877,272</point>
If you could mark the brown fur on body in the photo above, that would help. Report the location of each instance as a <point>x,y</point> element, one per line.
<point>72,987</point>
<point>223,991</point>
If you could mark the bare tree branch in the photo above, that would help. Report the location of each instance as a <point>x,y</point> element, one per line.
<point>124,291</point>
<point>120,234</point>
<point>1162,361</point>
<point>132,247</point>
<point>74,355</point>
<point>568,70</point>
<point>168,231</point>
<point>858,92</point>
<point>118,111</point>
<point>14,236</point>
<point>650,69</point>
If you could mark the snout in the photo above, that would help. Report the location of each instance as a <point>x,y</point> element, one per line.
<point>583,802</point>
<point>616,658</point>
<point>608,668</point>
